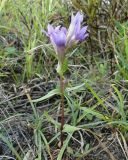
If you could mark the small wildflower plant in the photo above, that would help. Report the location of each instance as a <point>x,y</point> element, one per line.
<point>62,39</point>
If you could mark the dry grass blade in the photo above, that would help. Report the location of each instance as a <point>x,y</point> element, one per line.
<point>29,155</point>
<point>125,147</point>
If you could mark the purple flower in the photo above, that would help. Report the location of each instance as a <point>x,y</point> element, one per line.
<point>62,39</point>
<point>75,32</point>
<point>58,39</point>
<point>57,35</point>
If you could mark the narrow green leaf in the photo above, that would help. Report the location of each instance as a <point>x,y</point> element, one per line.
<point>49,95</point>
<point>60,155</point>
<point>76,87</point>
<point>70,129</point>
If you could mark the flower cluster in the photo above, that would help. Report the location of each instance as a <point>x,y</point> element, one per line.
<point>61,38</point>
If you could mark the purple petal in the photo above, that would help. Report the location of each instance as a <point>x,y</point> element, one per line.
<point>58,39</point>
<point>81,34</point>
<point>78,18</point>
<point>86,35</point>
<point>64,30</point>
<point>83,30</point>
<point>50,29</point>
<point>82,37</point>
<point>77,28</point>
<point>61,39</point>
<point>57,29</point>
